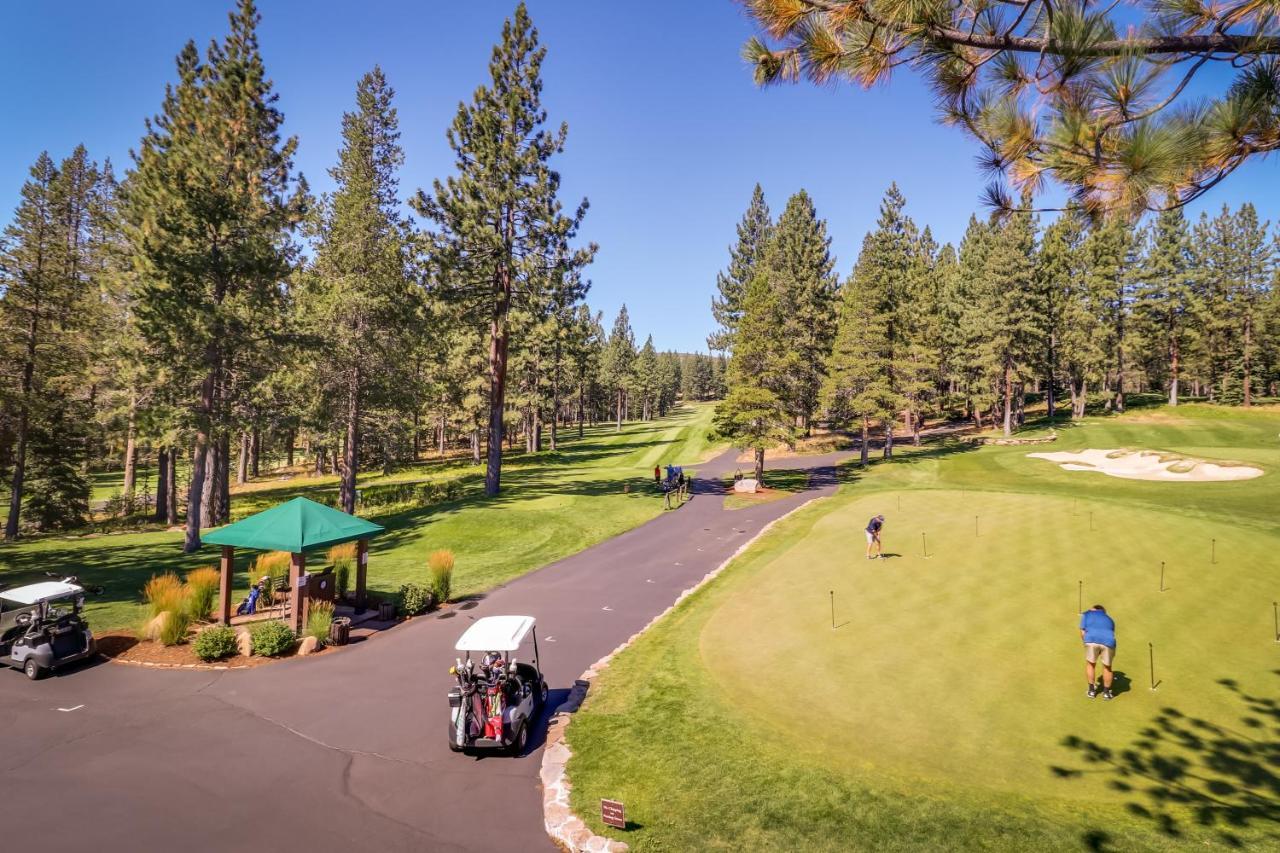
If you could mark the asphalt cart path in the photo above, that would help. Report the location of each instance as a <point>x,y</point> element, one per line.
<point>348,751</point>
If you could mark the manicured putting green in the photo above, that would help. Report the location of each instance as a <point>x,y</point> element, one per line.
<point>947,708</point>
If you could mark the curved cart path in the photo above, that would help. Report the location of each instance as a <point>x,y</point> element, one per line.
<point>345,752</point>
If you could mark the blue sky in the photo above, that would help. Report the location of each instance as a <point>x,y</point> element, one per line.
<point>667,134</point>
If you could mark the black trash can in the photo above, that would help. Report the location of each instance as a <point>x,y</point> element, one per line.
<point>340,630</point>
<point>387,611</point>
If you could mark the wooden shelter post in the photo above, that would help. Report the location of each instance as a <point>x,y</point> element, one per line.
<point>225,569</point>
<point>362,564</point>
<point>297,569</point>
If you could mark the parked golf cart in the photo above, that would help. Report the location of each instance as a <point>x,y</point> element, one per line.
<point>497,698</point>
<point>41,628</point>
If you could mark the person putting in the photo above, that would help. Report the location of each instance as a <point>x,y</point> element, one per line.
<point>873,537</point>
<point>1098,631</point>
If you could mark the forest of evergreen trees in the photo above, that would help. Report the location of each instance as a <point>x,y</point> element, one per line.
<point>204,311</point>
<point>1076,312</point>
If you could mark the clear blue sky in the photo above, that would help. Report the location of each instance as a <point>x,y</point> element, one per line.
<point>667,134</point>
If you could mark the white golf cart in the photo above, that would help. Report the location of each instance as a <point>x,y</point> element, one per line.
<point>499,697</point>
<point>41,628</point>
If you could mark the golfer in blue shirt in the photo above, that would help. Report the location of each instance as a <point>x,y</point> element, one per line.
<point>1098,631</point>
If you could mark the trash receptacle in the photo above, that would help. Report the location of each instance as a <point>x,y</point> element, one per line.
<point>340,630</point>
<point>387,611</point>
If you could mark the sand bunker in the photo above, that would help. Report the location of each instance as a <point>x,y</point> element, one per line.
<point>1149,465</point>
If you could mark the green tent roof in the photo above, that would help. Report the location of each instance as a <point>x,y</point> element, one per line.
<point>295,526</point>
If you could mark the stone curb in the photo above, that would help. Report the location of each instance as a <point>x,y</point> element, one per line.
<point>155,665</point>
<point>566,829</point>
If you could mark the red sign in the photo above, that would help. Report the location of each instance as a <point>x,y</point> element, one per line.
<point>612,814</point>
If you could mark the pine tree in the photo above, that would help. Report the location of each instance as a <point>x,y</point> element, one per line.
<point>1165,300</point>
<point>500,225</point>
<point>648,382</point>
<point>357,298</point>
<point>856,389</point>
<point>1055,278</point>
<point>754,414</point>
<point>1109,258</point>
<point>754,233</point>
<point>1007,294</point>
<point>209,209</point>
<point>798,264</point>
<point>617,365</point>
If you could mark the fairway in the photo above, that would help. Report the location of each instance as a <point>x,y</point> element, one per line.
<point>947,704</point>
<point>553,504</point>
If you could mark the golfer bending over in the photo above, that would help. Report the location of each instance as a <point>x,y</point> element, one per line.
<point>873,537</point>
<point>1098,630</point>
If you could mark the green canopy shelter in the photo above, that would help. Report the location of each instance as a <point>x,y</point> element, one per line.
<point>296,526</point>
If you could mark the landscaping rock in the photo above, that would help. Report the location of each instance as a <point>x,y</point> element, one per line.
<point>747,485</point>
<point>309,645</point>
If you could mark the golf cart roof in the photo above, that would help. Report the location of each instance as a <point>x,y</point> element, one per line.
<point>495,634</point>
<point>38,592</point>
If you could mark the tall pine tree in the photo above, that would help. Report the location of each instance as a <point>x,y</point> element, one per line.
<point>754,232</point>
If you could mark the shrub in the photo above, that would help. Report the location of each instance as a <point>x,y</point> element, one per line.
<point>163,592</point>
<point>174,629</point>
<point>343,558</point>
<point>415,599</point>
<point>215,643</point>
<point>271,638</point>
<point>201,590</point>
<point>319,620</point>
<point>441,565</point>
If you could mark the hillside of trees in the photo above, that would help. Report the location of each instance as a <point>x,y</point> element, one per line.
<point>202,310</point>
<point>1077,311</point>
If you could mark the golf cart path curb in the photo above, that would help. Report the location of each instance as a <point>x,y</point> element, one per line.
<point>565,828</point>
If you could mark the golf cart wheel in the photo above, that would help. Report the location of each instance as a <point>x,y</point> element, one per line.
<point>453,747</point>
<point>521,740</point>
<point>542,694</point>
<point>33,670</point>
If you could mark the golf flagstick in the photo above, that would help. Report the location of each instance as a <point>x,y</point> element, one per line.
<point>1080,596</point>
<point>1162,575</point>
<point>1151,653</point>
<point>833,609</point>
<point>1275,614</point>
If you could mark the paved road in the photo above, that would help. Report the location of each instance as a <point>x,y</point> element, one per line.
<point>348,751</point>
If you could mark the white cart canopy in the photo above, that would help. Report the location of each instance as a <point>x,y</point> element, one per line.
<point>495,634</point>
<point>40,592</point>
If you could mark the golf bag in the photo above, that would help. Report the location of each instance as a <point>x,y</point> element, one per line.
<point>250,604</point>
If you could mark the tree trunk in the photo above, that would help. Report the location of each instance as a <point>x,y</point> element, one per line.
<point>351,462</point>
<point>442,436</point>
<point>475,446</point>
<point>1173,371</point>
<point>255,451</point>
<point>289,440</point>
<point>888,438</point>
<point>320,457</point>
<point>210,478</point>
<point>242,464</point>
<point>1008,397</point>
<point>195,491</point>
<point>864,450</point>
<point>1247,379</point>
<point>173,486</point>
<point>760,465</point>
<point>162,486</point>
<point>619,410</point>
<point>1050,397</point>
<point>222,508</point>
<point>582,392</point>
<point>131,449</point>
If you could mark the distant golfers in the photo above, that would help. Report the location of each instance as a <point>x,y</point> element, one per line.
<point>873,537</point>
<point>1098,630</point>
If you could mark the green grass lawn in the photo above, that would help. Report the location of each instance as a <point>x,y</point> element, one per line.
<point>947,710</point>
<point>552,505</point>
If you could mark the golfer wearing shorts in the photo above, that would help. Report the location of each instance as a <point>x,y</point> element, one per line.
<point>873,536</point>
<point>1098,630</point>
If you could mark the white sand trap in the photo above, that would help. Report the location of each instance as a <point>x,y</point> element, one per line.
<point>1149,465</point>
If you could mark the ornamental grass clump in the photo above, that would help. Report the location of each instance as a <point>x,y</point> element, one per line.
<point>319,621</point>
<point>271,639</point>
<point>275,565</point>
<point>441,565</point>
<point>215,643</point>
<point>201,590</point>
<point>163,593</point>
<point>343,558</point>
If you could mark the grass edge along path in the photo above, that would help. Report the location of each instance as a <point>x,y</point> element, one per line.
<point>553,505</point>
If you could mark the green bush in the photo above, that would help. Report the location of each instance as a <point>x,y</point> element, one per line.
<point>271,638</point>
<point>174,629</point>
<point>415,599</point>
<point>215,643</point>
<point>441,565</point>
<point>201,590</point>
<point>319,620</point>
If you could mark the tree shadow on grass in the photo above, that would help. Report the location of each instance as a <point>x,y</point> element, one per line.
<point>1183,773</point>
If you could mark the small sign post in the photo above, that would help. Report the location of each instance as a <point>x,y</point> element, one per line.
<point>613,814</point>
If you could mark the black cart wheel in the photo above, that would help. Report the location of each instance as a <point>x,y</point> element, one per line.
<point>33,670</point>
<point>453,747</point>
<point>521,739</point>
<point>542,694</point>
